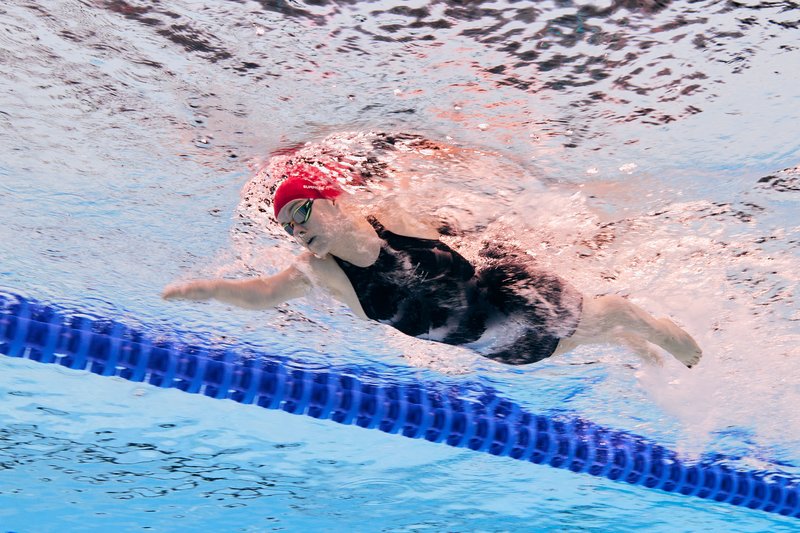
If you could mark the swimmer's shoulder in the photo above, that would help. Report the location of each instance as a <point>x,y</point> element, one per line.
<point>326,273</point>
<point>401,222</point>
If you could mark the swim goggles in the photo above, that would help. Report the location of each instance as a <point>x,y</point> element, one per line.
<point>300,215</point>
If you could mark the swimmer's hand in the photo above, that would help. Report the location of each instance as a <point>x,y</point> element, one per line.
<point>198,290</point>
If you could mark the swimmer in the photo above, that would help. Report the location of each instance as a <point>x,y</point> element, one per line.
<point>388,267</point>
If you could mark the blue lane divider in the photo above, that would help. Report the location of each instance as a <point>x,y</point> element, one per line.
<point>421,410</point>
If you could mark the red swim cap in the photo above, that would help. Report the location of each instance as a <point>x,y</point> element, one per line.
<point>305,181</point>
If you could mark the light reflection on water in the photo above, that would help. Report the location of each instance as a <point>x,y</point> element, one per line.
<point>635,140</point>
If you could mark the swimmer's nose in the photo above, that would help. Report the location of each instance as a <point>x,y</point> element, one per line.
<point>300,234</point>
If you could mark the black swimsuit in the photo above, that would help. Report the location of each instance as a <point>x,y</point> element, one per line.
<point>508,311</point>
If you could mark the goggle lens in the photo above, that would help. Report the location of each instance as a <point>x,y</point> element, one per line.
<point>300,215</point>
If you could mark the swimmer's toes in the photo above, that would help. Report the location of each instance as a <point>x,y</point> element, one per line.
<point>689,359</point>
<point>694,358</point>
<point>693,361</point>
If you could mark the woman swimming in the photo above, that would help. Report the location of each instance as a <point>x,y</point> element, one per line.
<point>388,267</point>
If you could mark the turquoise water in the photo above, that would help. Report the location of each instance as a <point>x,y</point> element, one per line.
<point>634,142</point>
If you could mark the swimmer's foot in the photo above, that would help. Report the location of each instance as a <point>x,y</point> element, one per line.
<point>679,343</point>
<point>641,348</point>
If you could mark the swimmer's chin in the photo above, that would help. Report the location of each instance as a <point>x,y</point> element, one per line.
<point>317,247</point>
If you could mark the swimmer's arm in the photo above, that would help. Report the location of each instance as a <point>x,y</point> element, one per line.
<point>253,293</point>
<point>270,291</point>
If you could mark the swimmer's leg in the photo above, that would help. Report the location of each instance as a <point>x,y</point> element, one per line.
<point>614,319</point>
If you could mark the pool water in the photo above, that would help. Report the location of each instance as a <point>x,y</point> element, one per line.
<point>636,148</point>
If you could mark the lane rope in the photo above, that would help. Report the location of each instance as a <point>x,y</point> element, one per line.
<point>421,410</point>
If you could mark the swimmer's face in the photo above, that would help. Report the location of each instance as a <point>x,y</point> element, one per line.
<point>309,222</point>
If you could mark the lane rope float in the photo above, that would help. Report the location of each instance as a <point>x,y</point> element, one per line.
<point>421,410</point>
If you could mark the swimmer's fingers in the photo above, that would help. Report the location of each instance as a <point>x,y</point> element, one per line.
<point>193,290</point>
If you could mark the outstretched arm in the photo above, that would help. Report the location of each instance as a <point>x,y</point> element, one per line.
<point>253,293</point>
